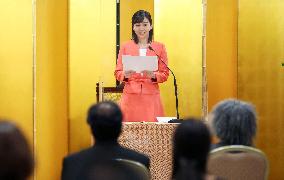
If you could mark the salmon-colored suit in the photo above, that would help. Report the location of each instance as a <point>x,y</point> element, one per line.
<point>141,96</point>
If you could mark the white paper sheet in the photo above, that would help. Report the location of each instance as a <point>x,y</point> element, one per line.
<point>139,63</point>
<point>164,119</point>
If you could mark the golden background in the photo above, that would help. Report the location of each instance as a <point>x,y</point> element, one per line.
<point>52,53</point>
<point>261,76</point>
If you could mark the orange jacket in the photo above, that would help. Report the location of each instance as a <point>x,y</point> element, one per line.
<point>137,83</point>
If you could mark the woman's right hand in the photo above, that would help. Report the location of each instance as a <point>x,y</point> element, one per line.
<point>127,74</point>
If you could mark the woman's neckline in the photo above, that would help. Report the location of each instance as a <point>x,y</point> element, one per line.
<point>143,46</point>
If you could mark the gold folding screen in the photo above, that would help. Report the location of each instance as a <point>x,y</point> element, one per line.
<point>221,50</point>
<point>91,59</point>
<point>33,77</point>
<point>16,57</point>
<point>51,87</point>
<point>92,56</point>
<point>179,25</point>
<point>260,74</point>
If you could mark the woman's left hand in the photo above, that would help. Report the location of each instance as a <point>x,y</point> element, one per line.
<point>149,74</point>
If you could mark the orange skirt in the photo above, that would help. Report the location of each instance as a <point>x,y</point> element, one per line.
<point>141,107</point>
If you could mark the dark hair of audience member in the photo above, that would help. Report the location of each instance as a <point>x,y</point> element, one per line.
<point>191,145</point>
<point>105,120</point>
<point>16,162</point>
<point>234,122</point>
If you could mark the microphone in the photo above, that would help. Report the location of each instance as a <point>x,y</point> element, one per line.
<point>175,85</point>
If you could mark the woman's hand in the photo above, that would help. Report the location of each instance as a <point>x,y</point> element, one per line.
<point>149,74</point>
<point>127,74</point>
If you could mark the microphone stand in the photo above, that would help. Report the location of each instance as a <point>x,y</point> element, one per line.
<point>176,93</point>
<point>175,85</point>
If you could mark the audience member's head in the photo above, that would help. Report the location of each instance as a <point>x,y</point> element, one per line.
<point>234,122</point>
<point>16,162</point>
<point>105,120</point>
<point>191,145</point>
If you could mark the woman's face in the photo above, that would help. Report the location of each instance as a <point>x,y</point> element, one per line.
<point>142,29</point>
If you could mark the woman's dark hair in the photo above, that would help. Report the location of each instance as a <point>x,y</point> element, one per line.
<point>234,122</point>
<point>191,145</point>
<point>16,162</point>
<point>138,17</point>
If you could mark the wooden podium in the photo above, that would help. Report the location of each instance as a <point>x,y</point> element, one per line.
<point>154,140</point>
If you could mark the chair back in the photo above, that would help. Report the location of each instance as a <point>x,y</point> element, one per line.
<point>238,162</point>
<point>116,169</point>
<point>108,93</point>
<point>141,172</point>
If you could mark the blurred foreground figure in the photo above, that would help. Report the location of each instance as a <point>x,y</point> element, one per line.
<point>16,161</point>
<point>190,152</point>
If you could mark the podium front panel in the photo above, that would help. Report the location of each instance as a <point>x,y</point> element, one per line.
<point>154,140</point>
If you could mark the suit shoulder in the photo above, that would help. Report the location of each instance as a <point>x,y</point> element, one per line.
<point>127,44</point>
<point>135,152</point>
<point>137,155</point>
<point>78,155</point>
<point>158,46</point>
<point>156,43</point>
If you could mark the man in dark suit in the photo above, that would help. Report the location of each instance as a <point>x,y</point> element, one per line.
<point>105,121</point>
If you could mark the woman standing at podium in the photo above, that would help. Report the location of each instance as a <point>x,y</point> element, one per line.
<point>141,99</point>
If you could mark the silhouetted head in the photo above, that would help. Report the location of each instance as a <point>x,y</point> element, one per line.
<point>105,120</point>
<point>142,19</point>
<point>191,147</point>
<point>234,122</point>
<point>16,161</point>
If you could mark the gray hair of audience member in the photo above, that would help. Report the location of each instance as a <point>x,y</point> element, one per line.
<point>234,122</point>
<point>16,160</point>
